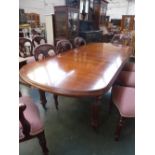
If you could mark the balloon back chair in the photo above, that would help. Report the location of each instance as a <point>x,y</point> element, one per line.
<point>63,45</point>
<point>30,123</point>
<point>25,47</point>
<point>28,56</point>
<point>124,100</point>
<point>38,40</point>
<point>25,51</point>
<point>41,52</point>
<point>79,41</point>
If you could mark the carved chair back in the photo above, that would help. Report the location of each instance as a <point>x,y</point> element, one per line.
<point>79,41</point>
<point>43,51</point>
<point>25,47</point>
<point>63,45</point>
<point>38,40</point>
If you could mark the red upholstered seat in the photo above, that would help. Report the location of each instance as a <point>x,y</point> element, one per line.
<point>31,114</point>
<point>124,99</point>
<point>30,123</point>
<point>129,67</point>
<point>126,78</point>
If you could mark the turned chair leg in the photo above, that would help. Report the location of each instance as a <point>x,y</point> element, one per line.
<point>43,98</point>
<point>110,104</point>
<point>42,142</point>
<point>119,127</point>
<point>56,101</point>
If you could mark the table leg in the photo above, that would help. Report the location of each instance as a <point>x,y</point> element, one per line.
<point>43,98</point>
<point>95,112</point>
<point>56,101</point>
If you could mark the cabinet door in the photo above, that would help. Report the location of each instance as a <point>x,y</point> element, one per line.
<point>66,22</point>
<point>61,24</point>
<point>73,18</point>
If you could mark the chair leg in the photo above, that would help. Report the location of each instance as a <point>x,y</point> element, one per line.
<point>119,127</point>
<point>42,142</point>
<point>110,104</point>
<point>43,98</point>
<point>20,94</point>
<point>56,101</point>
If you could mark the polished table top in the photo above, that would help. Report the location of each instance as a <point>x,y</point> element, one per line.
<point>87,71</point>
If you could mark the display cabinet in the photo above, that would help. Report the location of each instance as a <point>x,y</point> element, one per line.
<point>128,22</point>
<point>99,12</point>
<point>66,22</point>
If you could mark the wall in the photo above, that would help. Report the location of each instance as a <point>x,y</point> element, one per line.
<point>41,7</point>
<point>117,8</point>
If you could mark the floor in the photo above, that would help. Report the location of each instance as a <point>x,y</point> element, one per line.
<point>68,131</point>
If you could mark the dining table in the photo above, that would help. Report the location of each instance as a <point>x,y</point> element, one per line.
<point>87,71</point>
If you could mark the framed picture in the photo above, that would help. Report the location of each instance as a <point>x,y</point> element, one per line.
<point>73,3</point>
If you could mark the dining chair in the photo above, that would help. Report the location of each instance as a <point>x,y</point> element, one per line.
<point>63,45</point>
<point>79,41</point>
<point>30,123</point>
<point>30,59</point>
<point>124,100</point>
<point>38,40</point>
<point>34,33</point>
<point>25,51</point>
<point>41,52</point>
<point>126,78</point>
<point>129,66</point>
<point>25,47</point>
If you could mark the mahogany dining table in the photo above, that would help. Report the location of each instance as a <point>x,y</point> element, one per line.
<point>87,71</point>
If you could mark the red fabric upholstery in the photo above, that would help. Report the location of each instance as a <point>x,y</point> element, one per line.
<point>129,67</point>
<point>31,114</point>
<point>124,99</point>
<point>126,78</point>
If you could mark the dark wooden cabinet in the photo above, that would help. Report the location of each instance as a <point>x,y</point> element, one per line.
<point>66,22</point>
<point>99,12</point>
